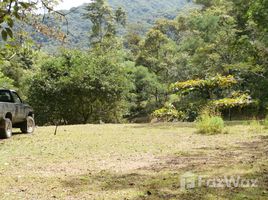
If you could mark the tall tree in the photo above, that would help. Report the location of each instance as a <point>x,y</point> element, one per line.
<point>104,20</point>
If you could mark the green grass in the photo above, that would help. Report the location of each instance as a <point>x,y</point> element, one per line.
<point>130,162</point>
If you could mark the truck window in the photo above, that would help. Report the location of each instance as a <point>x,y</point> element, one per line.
<point>5,96</point>
<point>16,97</point>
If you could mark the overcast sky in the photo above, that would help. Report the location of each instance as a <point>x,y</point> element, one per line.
<point>67,4</point>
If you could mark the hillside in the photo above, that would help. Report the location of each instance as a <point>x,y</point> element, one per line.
<point>141,15</point>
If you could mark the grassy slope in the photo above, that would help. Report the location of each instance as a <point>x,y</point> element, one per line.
<point>129,162</point>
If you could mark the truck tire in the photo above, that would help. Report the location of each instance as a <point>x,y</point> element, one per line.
<point>6,129</point>
<point>28,126</point>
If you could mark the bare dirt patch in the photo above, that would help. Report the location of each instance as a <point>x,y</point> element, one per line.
<point>242,152</point>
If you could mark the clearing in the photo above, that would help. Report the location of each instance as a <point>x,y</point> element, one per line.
<point>136,161</point>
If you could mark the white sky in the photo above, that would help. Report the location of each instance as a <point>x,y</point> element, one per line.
<point>67,4</point>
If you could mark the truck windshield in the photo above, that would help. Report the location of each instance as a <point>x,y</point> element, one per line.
<point>5,96</point>
<point>16,97</point>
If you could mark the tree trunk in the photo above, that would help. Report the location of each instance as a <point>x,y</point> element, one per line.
<point>230,115</point>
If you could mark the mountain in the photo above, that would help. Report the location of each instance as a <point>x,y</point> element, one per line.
<point>142,14</point>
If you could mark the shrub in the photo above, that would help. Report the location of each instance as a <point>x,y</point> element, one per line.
<point>207,124</point>
<point>168,114</point>
<point>265,122</point>
<point>255,126</point>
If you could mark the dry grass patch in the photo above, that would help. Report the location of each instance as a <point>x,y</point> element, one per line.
<point>129,162</point>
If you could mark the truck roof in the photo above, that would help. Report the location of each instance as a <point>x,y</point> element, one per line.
<point>7,90</point>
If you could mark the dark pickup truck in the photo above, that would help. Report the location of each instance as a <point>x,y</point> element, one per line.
<point>14,113</point>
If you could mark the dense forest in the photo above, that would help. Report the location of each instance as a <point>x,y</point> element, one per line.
<point>141,16</point>
<point>169,67</point>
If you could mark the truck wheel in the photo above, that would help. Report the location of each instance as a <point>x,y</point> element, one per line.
<point>28,126</point>
<point>6,129</point>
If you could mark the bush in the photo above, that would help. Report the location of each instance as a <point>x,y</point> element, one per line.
<point>255,126</point>
<point>207,124</point>
<point>265,122</point>
<point>168,114</point>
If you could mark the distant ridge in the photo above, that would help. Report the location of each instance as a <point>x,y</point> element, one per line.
<point>142,14</point>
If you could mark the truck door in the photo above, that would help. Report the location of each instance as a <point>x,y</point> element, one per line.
<point>19,107</point>
<point>7,102</point>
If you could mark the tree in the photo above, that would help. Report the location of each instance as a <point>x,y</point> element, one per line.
<point>12,10</point>
<point>80,87</point>
<point>104,20</point>
<point>147,91</point>
<point>220,38</point>
<point>131,43</point>
<point>6,82</point>
<point>216,92</point>
<point>17,60</point>
<point>157,53</point>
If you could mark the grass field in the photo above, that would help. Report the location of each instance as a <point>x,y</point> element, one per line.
<point>131,162</point>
